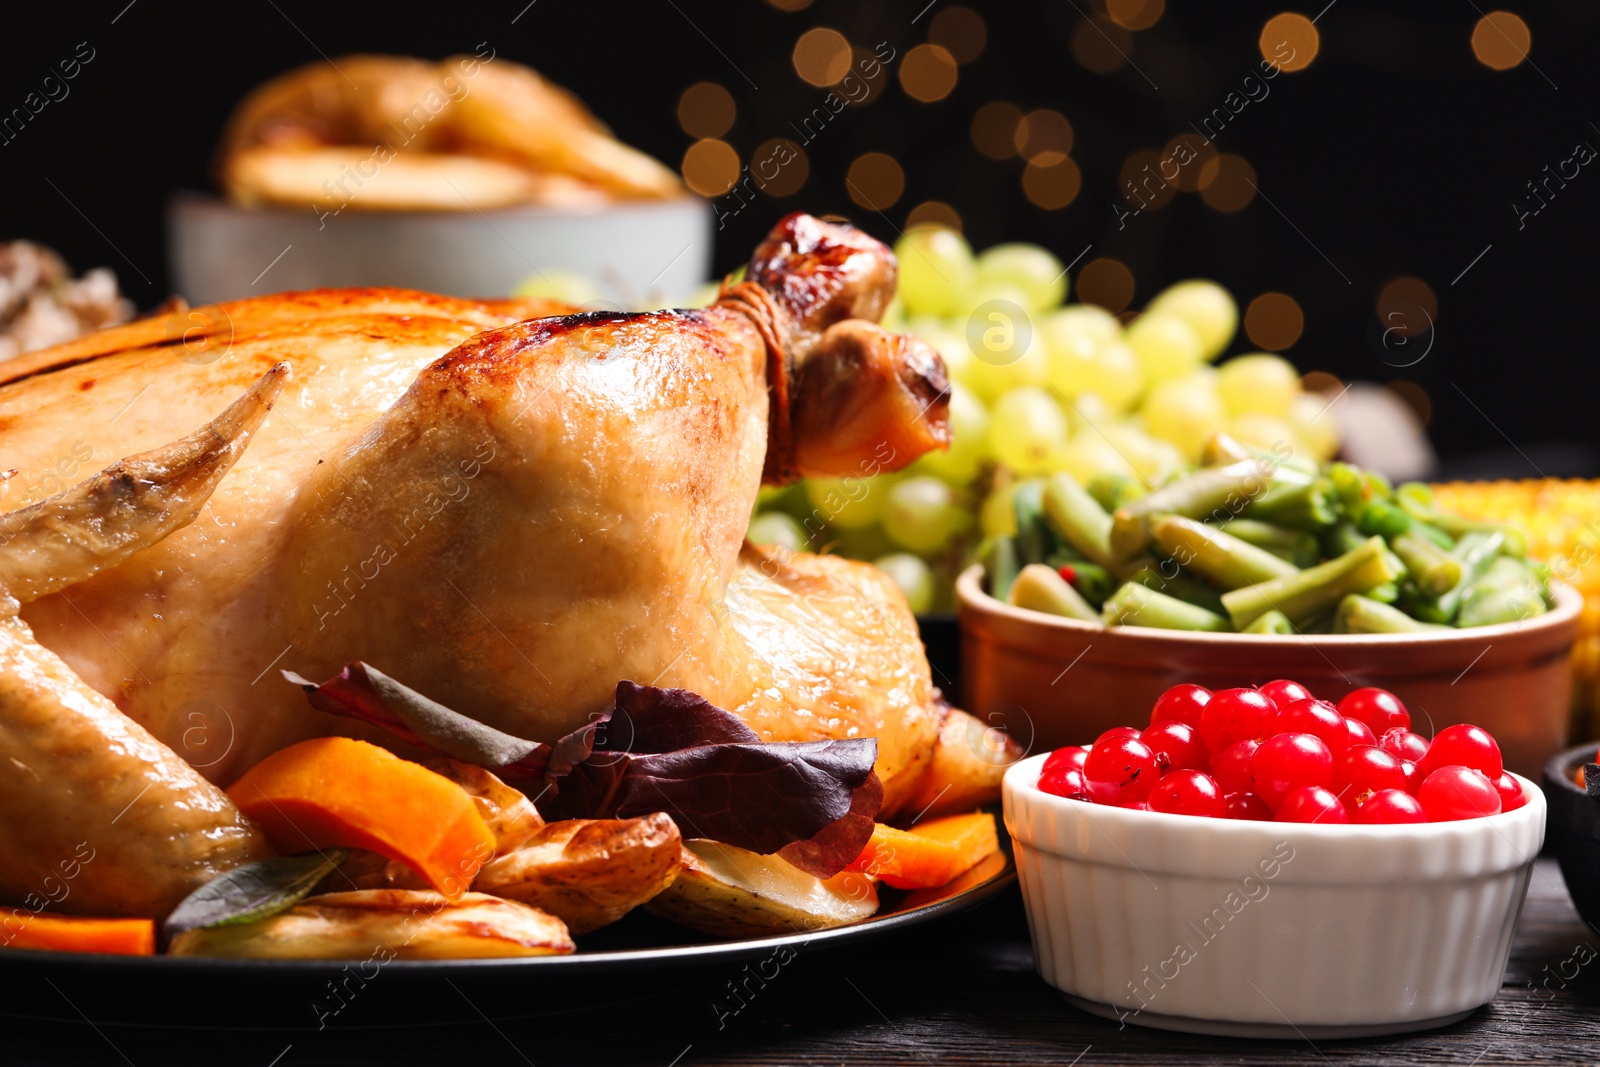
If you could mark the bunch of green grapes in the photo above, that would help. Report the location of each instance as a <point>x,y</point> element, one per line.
<point>1039,386</point>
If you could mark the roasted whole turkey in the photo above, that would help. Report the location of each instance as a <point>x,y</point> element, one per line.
<point>508,512</point>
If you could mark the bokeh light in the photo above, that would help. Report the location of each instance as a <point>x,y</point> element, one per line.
<point>960,31</point>
<point>1289,41</point>
<point>1407,305</point>
<point>706,109</point>
<point>1136,14</point>
<point>1043,136</point>
<point>1100,45</point>
<point>1274,321</point>
<point>875,181</point>
<point>1107,282</point>
<point>710,167</point>
<point>1416,398</point>
<point>790,5</point>
<point>1227,183</point>
<point>994,129</point>
<point>1141,183</point>
<point>1188,154</point>
<point>934,213</point>
<point>928,73</point>
<point>1322,383</point>
<point>780,167</point>
<point>822,56</point>
<point>1500,40</point>
<point>1052,185</point>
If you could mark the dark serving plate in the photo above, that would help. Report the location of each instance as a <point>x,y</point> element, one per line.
<point>636,957</point>
<point>1574,830</point>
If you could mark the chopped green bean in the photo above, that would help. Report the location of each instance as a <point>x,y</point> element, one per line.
<point>1477,551</point>
<point>1222,449</point>
<point>1434,570</point>
<point>1165,576</point>
<point>1136,605</point>
<point>1273,622</point>
<point>1093,581</point>
<point>1343,536</point>
<point>1077,518</point>
<point>1038,588</point>
<point>1111,491</point>
<point>1034,539</point>
<point>1198,495</point>
<point>1295,499</point>
<point>1297,546</point>
<point>1310,592</point>
<point>1000,563</point>
<point>1220,558</point>
<point>1363,615</point>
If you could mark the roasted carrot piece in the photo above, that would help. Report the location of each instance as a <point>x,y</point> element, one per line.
<point>20,928</point>
<point>930,854</point>
<point>336,792</point>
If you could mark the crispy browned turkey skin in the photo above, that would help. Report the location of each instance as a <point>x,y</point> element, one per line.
<point>509,514</point>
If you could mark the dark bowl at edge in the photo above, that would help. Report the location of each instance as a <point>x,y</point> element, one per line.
<point>1574,830</point>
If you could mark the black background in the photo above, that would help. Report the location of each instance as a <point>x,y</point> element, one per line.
<point>1396,152</point>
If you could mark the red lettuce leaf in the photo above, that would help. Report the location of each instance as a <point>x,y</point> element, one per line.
<point>654,750</point>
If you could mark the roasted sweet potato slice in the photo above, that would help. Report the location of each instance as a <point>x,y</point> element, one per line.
<point>20,928</point>
<point>930,853</point>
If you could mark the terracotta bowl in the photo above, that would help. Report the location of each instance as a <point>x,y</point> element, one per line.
<point>1050,681</point>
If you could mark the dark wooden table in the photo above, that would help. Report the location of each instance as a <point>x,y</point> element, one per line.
<point>962,991</point>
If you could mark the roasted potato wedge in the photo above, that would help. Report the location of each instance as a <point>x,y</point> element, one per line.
<point>728,892</point>
<point>968,763</point>
<point>510,815</point>
<point>588,872</point>
<point>386,924</point>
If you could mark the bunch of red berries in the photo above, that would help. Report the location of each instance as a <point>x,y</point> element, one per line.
<point>1278,752</point>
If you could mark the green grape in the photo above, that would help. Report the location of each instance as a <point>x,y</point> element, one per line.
<point>1315,425</point>
<point>1028,268</point>
<point>776,528</point>
<point>1089,453</point>
<point>1007,351</point>
<point>894,316</point>
<point>1184,411</point>
<point>868,542</point>
<point>848,503</point>
<point>567,286</point>
<point>1167,346</point>
<point>1206,307</point>
<point>996,517</point>
<point>1155,461</point>
<point>969,441</point>
<point>1112,374</point>
<point>1263,431</point>
<point>923,514</point>
<point>1086,412</point>
<point>951,346</point>
<point>936,269</point>
<point>1258,382</point>
<point>1100,325</point>
<point>1026,430</point>
<point>912,576</point>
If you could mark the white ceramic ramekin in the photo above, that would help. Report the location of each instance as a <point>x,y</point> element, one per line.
<point>1268,929</point>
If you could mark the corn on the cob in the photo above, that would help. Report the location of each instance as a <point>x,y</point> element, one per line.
<point>1562,520</point>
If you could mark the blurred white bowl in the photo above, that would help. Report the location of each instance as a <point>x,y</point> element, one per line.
<point>639,253</point>
<point>1269,929</point>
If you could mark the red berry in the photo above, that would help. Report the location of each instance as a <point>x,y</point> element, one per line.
<point>1062,758</point>
<point>1510,791</point>
<point>1413,778</point>
<point>1176,746</point>
<point>1360,732</point>
<point>1063,781</point>
<point>1316,717</point>
<point>1283,691</point>
<point>1068,575</point>
<point>1234,715</point>
<point>1137,805</point>
<point>1404,743</point>
<point>1248,806</point>
<point>1311,803</point>
<point>1362,771</point>
<point>1458,792</point>
<point>1287,762</point>
<point>1231,769</point>
<point>1115,731</point>
<point>1390,806</point>
<point>1188,792</point>
<point>1378,708</point>
<point>1463,746</point>
<point>1120,769</point>
<point>1181,703</point>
